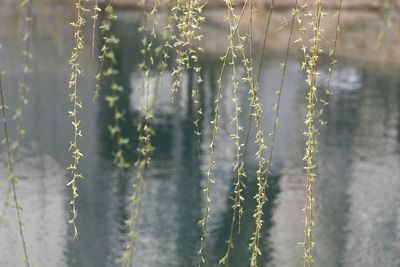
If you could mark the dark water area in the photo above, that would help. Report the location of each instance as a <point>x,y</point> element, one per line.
<point>357,201</point>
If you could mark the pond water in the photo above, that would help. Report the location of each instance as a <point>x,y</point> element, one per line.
<point>357,200</point>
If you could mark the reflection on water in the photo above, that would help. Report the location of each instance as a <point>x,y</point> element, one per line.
<point>357,213</point>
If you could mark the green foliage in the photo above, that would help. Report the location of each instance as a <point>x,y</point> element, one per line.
<point>109,73</point>
<point>256,113</point>
<point>196,101</point>
<point>96,10</point>
<point>76,72</point>
<point>310,66</point>
<point>188,19</point>
<point>234,24</point>
<point>145,148</point>
<point>186,16</point>
<point>259,208</point>
<point>235,46</point>
<point>197,107</point>
<point>144,152</point>
<point>323,101</point>
<point>10,174</point>
<point>23,88</point>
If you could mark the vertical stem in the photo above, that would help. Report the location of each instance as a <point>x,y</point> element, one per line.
<point>13,179</point>
<point>280,91</point>
<point>239,164</point>
<point>332,53</point>
<point>23,89</point>
<point>76,72</point>
<point>311,62</point>
<point>211,162</point>
<point>145,148</point>
<point>96,10</point>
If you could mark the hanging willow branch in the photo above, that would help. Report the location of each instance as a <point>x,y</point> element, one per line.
<point>332,54</point>
<point>260,196</point>
<point>211,162</point>
<point>310,66</point>
<point>260,205</point>
<point>107,57</point>
<point>145,148</point>
<point>294,13</point>
<point>23,88</point>
<point>188,18</point>
<point>198,111</point>
<point>11,176</point>
<point>96,10</point>
<point>76,72</point>
<point>238,168</point>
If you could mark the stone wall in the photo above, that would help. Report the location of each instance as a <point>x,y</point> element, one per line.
<point>364,35</point>
<point>366,5</point>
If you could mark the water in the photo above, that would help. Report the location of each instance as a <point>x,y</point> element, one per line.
<point>357,200</point>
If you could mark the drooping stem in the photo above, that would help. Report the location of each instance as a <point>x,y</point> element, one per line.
<point>95,16</point>
<point>260,205</point>
<point>76,72</point>
<point>211,162</point>
<point>145,148</point>
<point>23,88</point>
<point>198,111</point>
<point>332,53</point>
<point>12,177</point>
<point>107,56</point>
<point>238,168</point>
<point>260,66</point>
<point>310,65</point>
<point>260,195</point>
<point>188,17</point>
<point>280,90</point>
